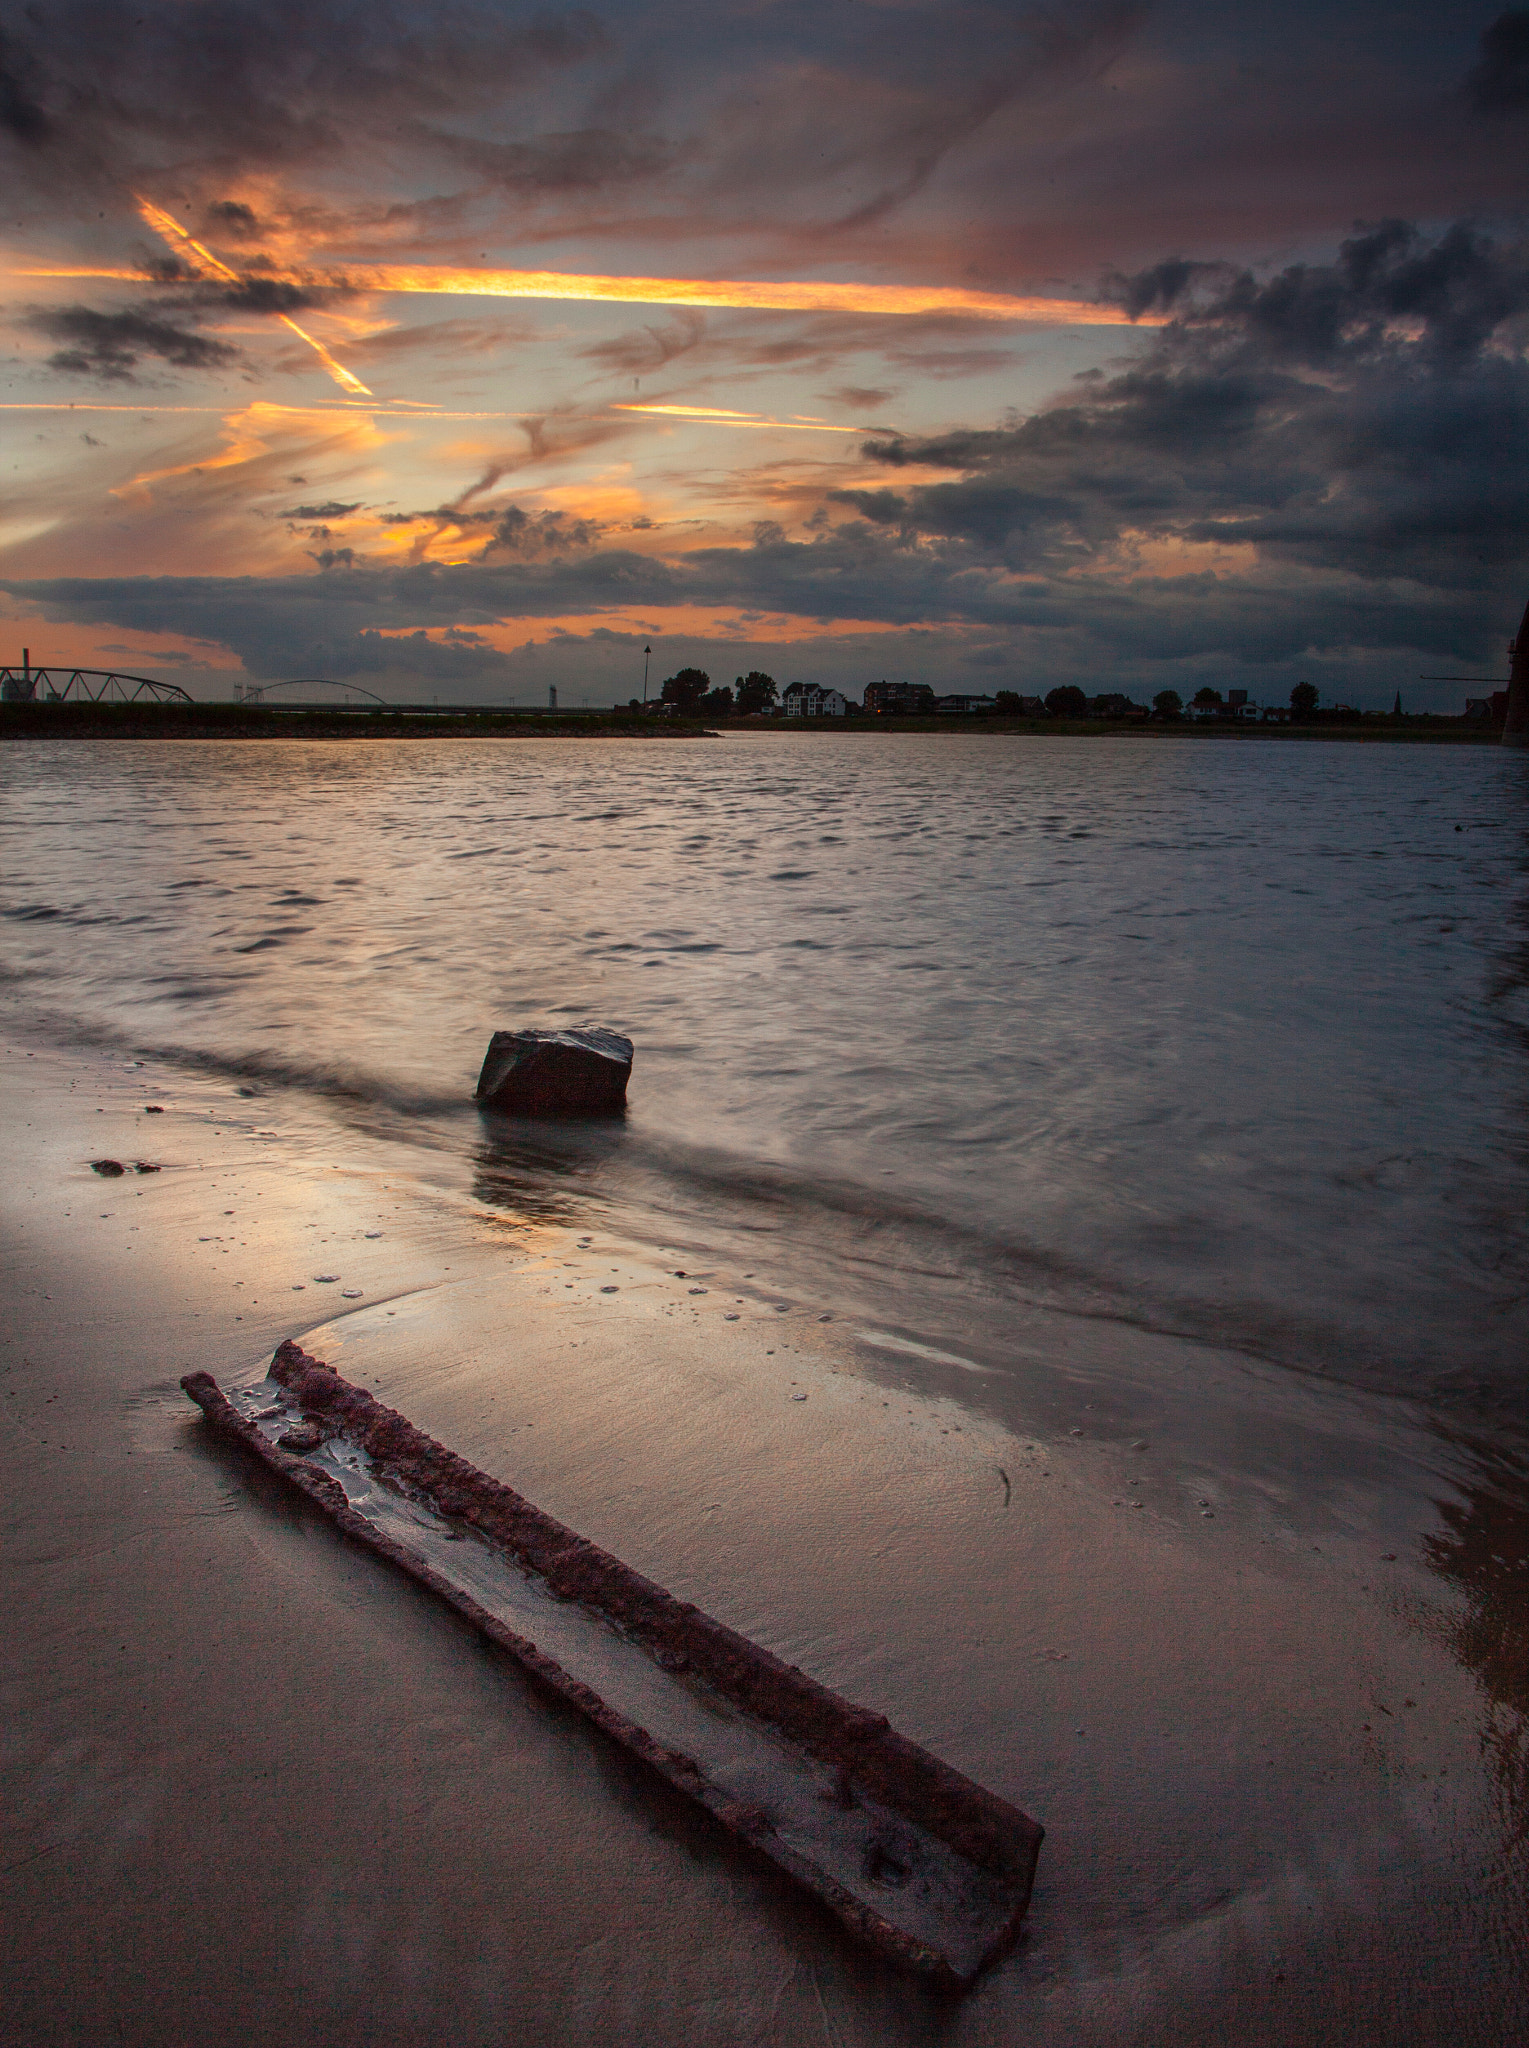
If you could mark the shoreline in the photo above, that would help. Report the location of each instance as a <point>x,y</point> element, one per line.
<point>361,1817</point>
<point>20,722</point>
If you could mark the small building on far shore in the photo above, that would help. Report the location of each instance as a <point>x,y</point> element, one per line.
<point>811,700</point>
<point>913,700</point>
<point>965,707</point>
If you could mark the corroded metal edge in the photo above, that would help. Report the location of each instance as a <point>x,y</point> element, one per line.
<point>985,1829</point>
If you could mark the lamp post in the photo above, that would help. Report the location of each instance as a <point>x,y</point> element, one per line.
<point>645,653</point>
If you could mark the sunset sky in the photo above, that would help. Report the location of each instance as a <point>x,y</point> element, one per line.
<point>458,350</point>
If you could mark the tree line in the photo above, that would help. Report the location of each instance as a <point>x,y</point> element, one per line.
<point>693,696</point>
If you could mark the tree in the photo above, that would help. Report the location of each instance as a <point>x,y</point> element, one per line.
<point>1206,696</point>
<point>1167,703</point>
<point>1303,700</point>
<point>686,690</point>
<point>755,692</point>
<point>718,703</point>
<point>1008,702</point>
<point>1067,702</point>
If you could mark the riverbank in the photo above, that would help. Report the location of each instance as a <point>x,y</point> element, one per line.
<point>251,1773</point>
<point>257,722</point>
<point>253,722</point>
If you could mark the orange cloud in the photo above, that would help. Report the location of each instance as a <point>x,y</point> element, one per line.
<point>721,416</point>
<point>169,227</point>
<point>725,294</point>
<point>748,294</point>
<point>678,622</point>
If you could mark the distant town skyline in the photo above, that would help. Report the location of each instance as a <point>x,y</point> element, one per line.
<point>469,353</point>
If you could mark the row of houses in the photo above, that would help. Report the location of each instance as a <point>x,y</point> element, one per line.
<point>811,700</point>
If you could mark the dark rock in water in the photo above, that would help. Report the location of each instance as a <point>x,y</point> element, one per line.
<point>556,1073</point>
<point>109,1169</point>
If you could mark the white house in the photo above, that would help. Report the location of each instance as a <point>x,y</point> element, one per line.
<point>810,700</point>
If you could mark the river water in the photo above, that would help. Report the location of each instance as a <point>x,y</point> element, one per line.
<point>1022,1132</point>
<point>1226,1041</point>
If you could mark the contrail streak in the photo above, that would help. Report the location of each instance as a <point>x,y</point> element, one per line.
<point>169,227</point>
<point>724,294</point>
<point>739,294</point>
<point>720,416</point>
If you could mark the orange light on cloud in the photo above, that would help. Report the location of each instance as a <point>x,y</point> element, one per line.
<point>723,294</point>
<point>169,227</point>
<point>389,409</point>
<point>741,294</point>
<point>720,416</point>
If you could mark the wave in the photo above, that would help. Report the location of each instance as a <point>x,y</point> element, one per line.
<point>50,913</point>
<point>847,1240</point>
<point>334,1081</point>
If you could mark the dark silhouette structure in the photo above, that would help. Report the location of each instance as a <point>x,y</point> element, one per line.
<point>30,685</point>
<point>1515,731</point>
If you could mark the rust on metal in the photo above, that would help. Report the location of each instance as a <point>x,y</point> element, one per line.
<point>965,1857</point>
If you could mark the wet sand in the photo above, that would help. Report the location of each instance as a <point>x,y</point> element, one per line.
<point>257,1785</point>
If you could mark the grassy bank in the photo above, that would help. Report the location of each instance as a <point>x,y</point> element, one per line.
<point>251,721</point>
<point>255,722</point>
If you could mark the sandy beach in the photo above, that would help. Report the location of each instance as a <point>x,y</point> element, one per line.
<point>257,1783</point>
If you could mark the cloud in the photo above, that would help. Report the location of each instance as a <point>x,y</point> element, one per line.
<point>232,220</point>
<point>529,535</point>
<point>506,529</point>
<point>20,113</point>
<point>859,397</point>
<point>580,161</point>
<point>332,510</point>
<point>1499,83</point>
<point>644,350</point>
<point>110,345</point>
<point>1369,416</point>
<point>936,346</point>
<point>252,83</point>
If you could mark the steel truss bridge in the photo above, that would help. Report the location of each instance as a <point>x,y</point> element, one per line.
<point>256,693</point>
<point>30,685</point>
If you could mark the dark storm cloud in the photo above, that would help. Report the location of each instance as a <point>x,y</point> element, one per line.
<point>506,529</point>
<point>529,534</point>
<point>264,295</point>
<point>332,510</point>
<point>20,113</point>
<point>1499,84</point>
<point>1369,416</point>
<point>106,92</point>
<point>233,220</point>
<point>111,345</point>
<point>852,572</point>
<point>579,161</point>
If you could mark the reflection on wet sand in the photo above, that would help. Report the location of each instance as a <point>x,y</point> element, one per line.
<point>543,1170</point>
<point>1483,1551</point>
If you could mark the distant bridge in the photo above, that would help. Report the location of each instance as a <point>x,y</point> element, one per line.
<point>256,693</point>
<point>29,685</point>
